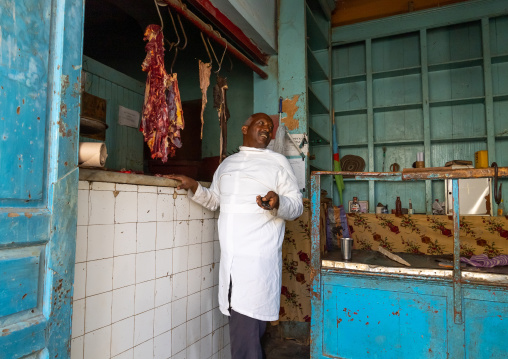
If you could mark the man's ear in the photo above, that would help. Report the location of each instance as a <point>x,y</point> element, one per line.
<point>245,129</point>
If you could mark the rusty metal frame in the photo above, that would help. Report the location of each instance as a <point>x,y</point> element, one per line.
<point>436,173</point>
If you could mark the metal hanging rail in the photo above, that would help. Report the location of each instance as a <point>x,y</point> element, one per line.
<point>436,173</point>
<point>208,30</point>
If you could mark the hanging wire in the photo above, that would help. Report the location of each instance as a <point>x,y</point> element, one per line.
<point>160,16</point>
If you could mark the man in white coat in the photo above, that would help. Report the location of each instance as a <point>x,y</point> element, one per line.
<point>251,230</point>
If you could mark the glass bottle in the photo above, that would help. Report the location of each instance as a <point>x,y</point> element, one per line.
<point>500,208</point>
<point>355,206</point>
<point>410,208</point>
<point>398,207</point>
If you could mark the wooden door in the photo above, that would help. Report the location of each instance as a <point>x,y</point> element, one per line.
<point>40,82</point>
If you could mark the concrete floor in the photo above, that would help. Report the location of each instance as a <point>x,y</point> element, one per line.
<point>277,347</point>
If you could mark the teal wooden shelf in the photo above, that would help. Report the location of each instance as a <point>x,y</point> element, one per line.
<point>398,142</point>
<point>500,97</point>
<point>397,72</point>
<point>316,39</point>
<point>499,58</point>
<point>316,168</point>
<point>459,139</point>
<point>398,107</point>
<point>316,139</point>
<point>459,101</point>
<point>358,111</point>
<point>450,65</point>
<point>316,72</point>
<point>359,144</point>
<point>349,79</point>
<point>316,106</point>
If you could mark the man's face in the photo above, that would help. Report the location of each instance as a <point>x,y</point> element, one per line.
<point>258,133</point>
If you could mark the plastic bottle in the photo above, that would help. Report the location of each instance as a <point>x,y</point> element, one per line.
<point>355,206</point>
<point>398,207</point>
<point>410,208</point>
<point>500,208</point>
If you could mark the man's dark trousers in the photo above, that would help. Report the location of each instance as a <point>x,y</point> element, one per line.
<point>245,336</point>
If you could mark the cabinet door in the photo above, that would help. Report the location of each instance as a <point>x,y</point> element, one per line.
<point>40,82</point>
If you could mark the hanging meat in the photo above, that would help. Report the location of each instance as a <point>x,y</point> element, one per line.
<point>162,117</point>
<point>221,104</point>
<point>205,70</point>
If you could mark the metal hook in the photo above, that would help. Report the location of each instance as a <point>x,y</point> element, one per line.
<point>222,58</point>
<point>160,16</point>
<point>175,44</point>
<point>497,192</point>
<point>206,47</point>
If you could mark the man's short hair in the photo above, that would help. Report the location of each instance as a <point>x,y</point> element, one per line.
<point>256,115</point>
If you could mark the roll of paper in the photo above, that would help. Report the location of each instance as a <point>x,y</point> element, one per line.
<point>92,154</point>
<point>419,156</point>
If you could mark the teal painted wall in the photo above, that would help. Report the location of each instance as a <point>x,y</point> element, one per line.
<point>439,90</point>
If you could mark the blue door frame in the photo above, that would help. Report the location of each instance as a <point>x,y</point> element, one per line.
<point>40,83</point>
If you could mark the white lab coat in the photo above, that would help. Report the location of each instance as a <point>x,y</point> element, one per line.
<point>251,237</point>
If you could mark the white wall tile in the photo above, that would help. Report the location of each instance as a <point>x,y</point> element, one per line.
<point>81,243</point>
<point>208,229</point>
<point>102,207</point>
<point>206,300</point>
<point>194,281</point>
<point>208,214</point>
<point>145,296</point>
<point>206,277</point>
<point>195,210</point>
<point>97,344</point>
<point>165,235</point>
<point>143,327</point>
<point>194,256</point>
<point>147,207</point>
<point>79,281</point>
<point>195,231</point>
<point>163,290</point>
<point>215,296</point>
<point>98,311</point>
<point>165,207</point>
<point>145,266</point>
<point>179,285</point>
<point>166,190</point>
<point>226,352</point>
<point>217,318</point>
<point>147,189</point>
<point>126,207</point>
<point>102,186</point>
<point>100,241</point>
<point>180,259</point>
<point>193,330</point>
<point>163,263</point>
<point>99,276</point>
<point>216,340</point>
<point>125,239</point>
<point>206,346</point>
<point>122,336</point>
<point>162,346</point>
<point>182,207</point>
<point>126,187</point>
<point>181,233</point>
<point>226,335</point>
<point>129,354</point>
<point>206,253</point>
<point>83,185</point>
<point>193,306</point>
<point>146,235</point>
<point>78,318</point>
<point>123,303</point>
<point>216,230</point>
<point>216,251</point>
<point>181,355</point>
<point>144,350</point>
<point>215,267</point>
<point>179,312</point>
<point>206,324</point>
<point>178,338</point>
<point>162,320</point>
<point>83,197</point>
<point>77,348</point>
<point>194,351</point>
<point>124,271</point>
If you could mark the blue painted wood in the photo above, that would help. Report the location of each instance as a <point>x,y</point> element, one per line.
<point>40,69</point>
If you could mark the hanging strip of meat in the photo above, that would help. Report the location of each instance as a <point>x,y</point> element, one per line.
<point>162,117</point>
<point>205,70</point>
<point>221,104</point>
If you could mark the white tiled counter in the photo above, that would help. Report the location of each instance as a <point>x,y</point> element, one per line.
<point>147,261</point>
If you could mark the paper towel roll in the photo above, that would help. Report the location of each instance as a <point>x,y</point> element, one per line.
<point>92,154</point>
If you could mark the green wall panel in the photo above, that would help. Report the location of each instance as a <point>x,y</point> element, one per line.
<point>459,121</point>
<point>396,52</point>
<point>352,129</point>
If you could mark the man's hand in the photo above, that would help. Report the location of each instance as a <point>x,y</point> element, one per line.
<point>187,182</point>
<point>271,197</point>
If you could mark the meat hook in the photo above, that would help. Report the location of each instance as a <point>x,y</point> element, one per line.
<point>206,48</point>
<point>175,44</point>
<point>214,55</point>
<point>157,4</point>
<point>497,192</point>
